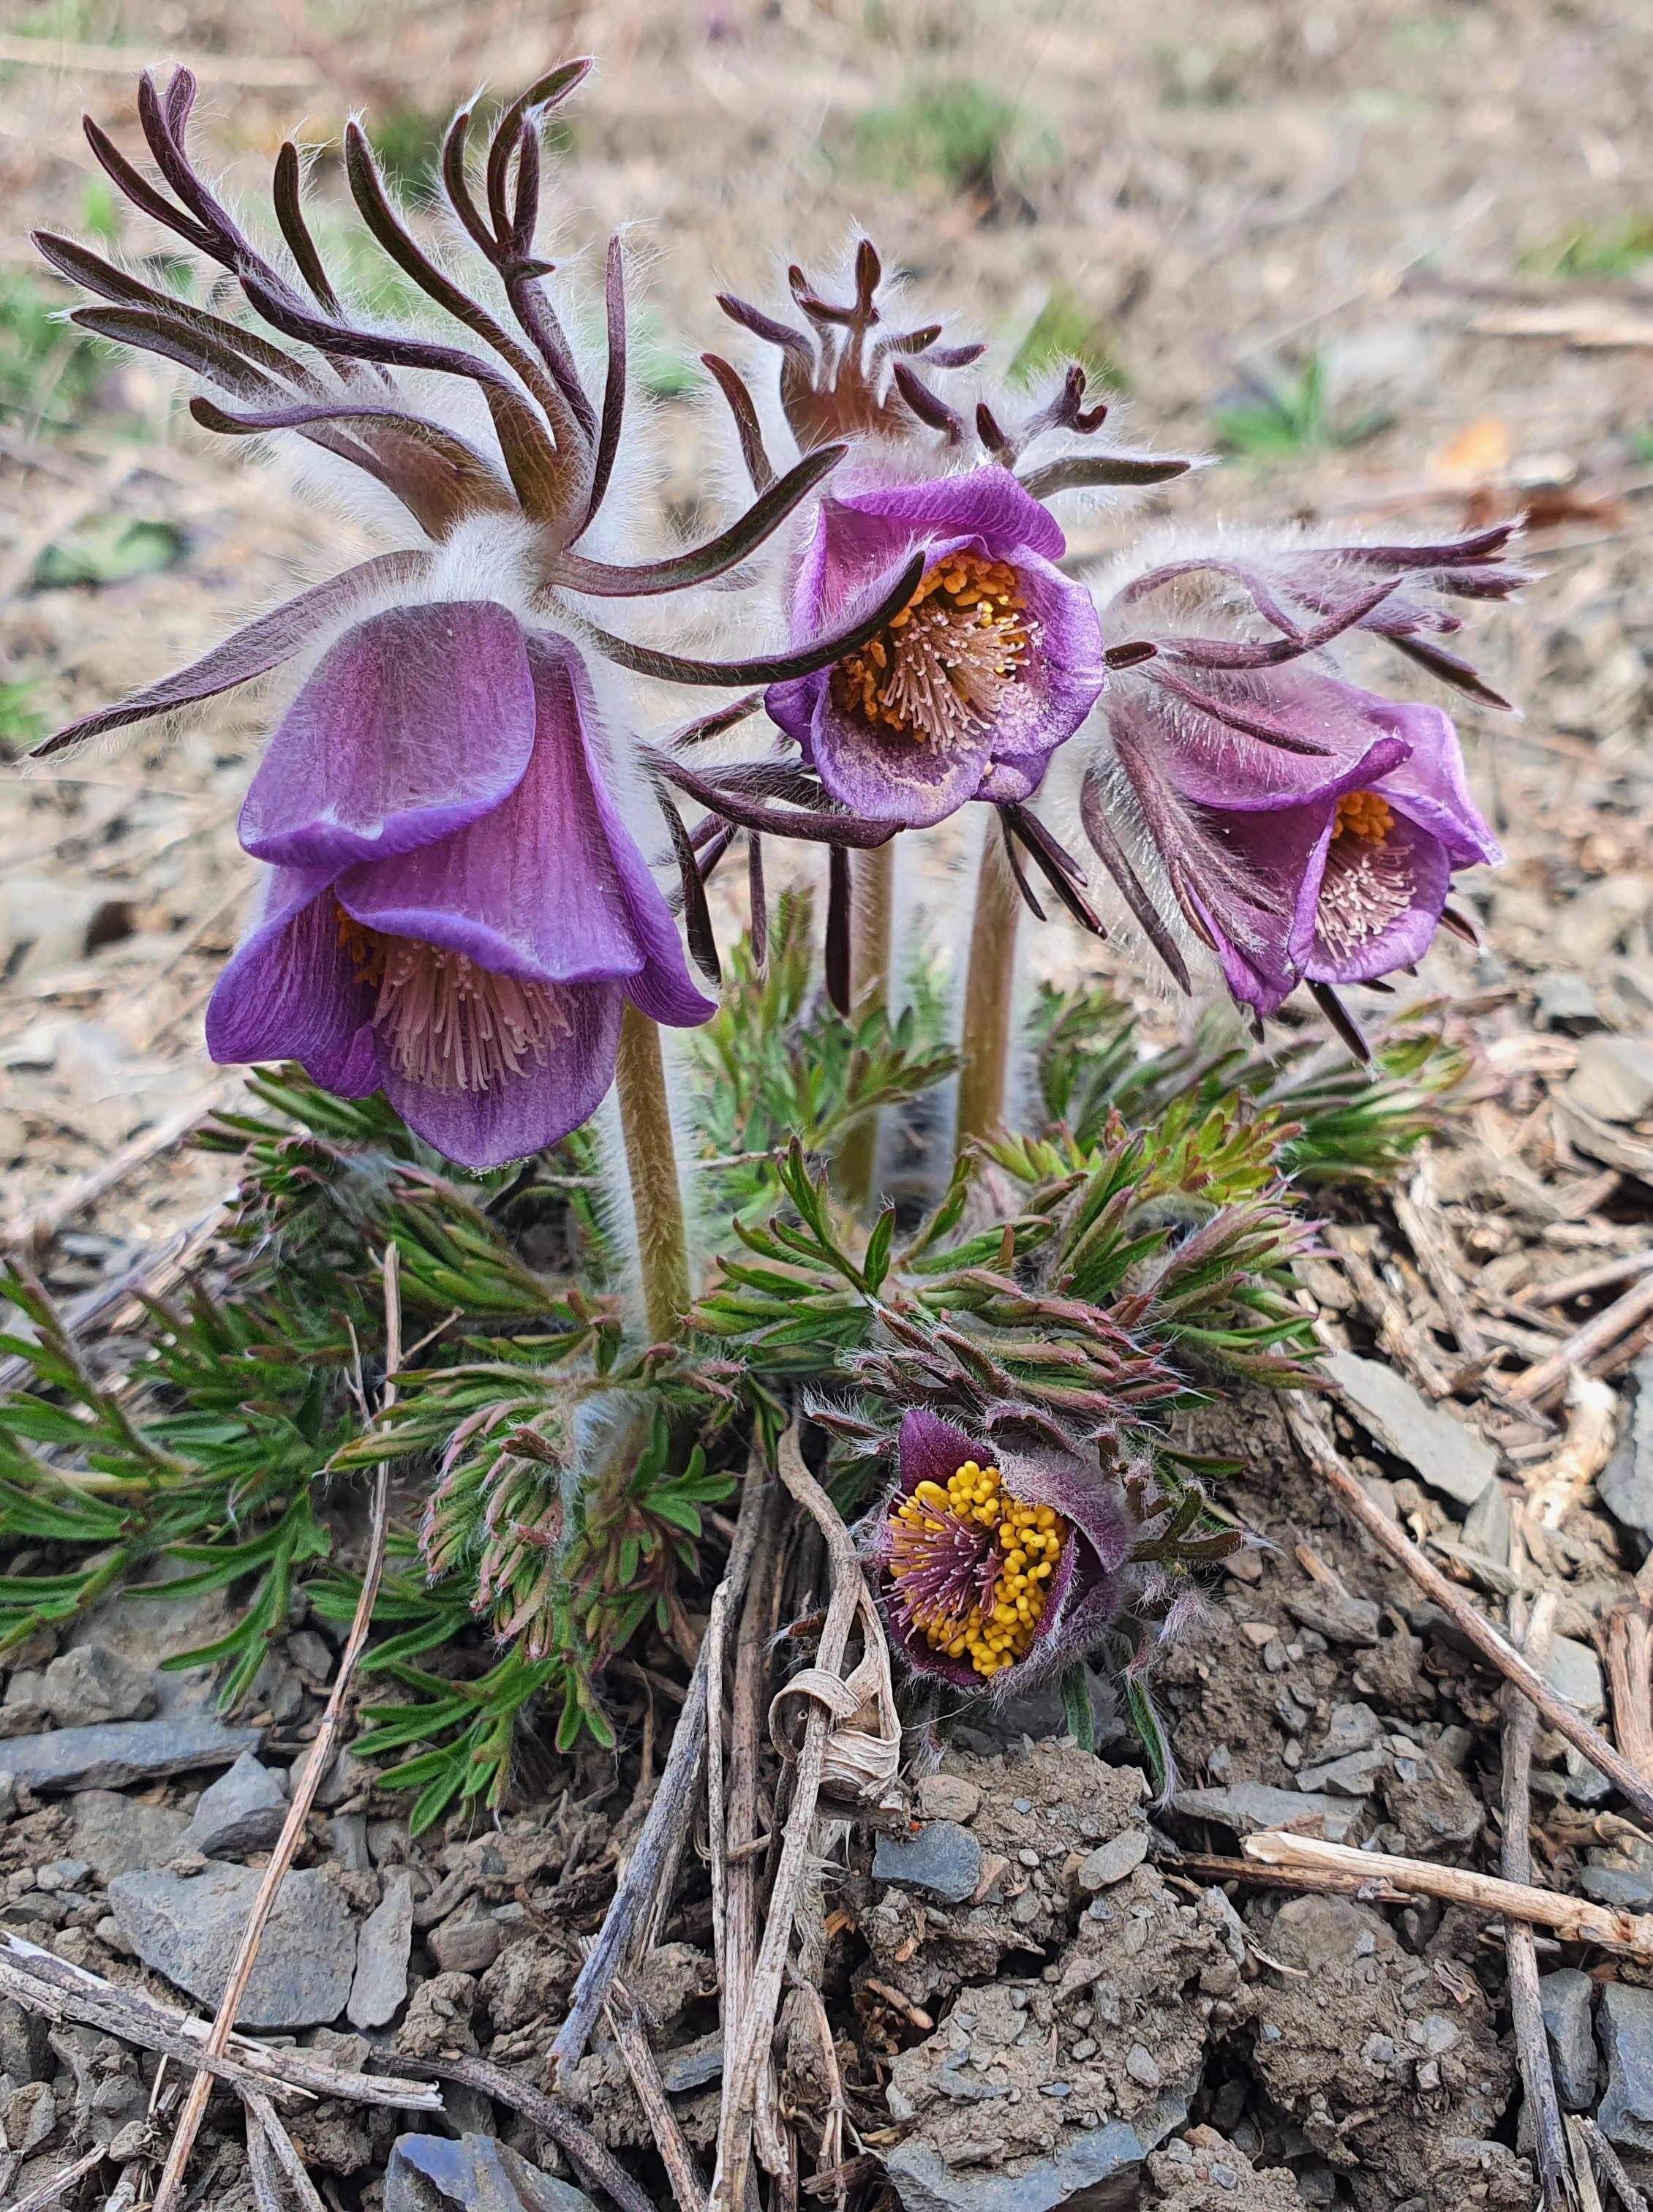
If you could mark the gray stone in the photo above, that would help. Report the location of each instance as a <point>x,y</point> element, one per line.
<point>1627,1888</point>
<point>1574,1672</point>
<point>1110,1863</point>
<point>1355,1775</point>
<point>8,1793</point>
<point>1614,1079</point>
<point>1351,1728</point>
<point>1095,2169</point>
<point>87,1686</point>
<point>1332,1613</point>
<point>692,2065</point>
<point>426,2173</point>
<point>117,1835</point>
<point>944,1858</point>
<point>242,1812</point>
<point>1488,1529</point>
<point>1565,1002</point>
<point>119,1751</point>
<point>382,1956</point>
<point>1246,1807</point>
<point>345,1777</point>
<point>189,1930</point>
<point>1623,2027</point>
<point>469,1943</point>
<point>1626,1485</point>
<point>1449,1456</point>
<point>1566,1997</point>
<point>348,1833</point>
<point>947,1797</point>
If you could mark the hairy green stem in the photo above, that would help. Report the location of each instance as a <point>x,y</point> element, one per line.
<point>872,923</point>
<point>652,1164</point>
<point>984,1040</point>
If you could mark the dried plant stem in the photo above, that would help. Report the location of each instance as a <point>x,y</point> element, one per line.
<point>1417,1213</point>
<point>1317,1882</point>
<point>1307,1425</point>
<point>688,2183</point>
<point>1596,1336</point>
<point>56,2185</point>
<point>660,1838</point>
<point>264,2131</point>
<point>549,2114</point>
<point>1574,1919</point>
<point>1532,2042</point>
<point>746,2055</point>
<point>1590,2196</point>
<point>872,938</point>
<point>651,1165</point>
<point>1630,1680</point>
<point>984,1037</point>
<point>1600,2154</point>
<point>303,1794</point>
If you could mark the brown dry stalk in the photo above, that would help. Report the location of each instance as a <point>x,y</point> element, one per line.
<point>1597,1335</point>
<point>688,2183</point>
<point>55,2185</point>
<point>746,2055</point>
<point>316,1766</point>
<point>1574,1919</point>
<point>549,2114</point>
<point>1520,1950</point>
<point>1418,1212</point>
<point>1309,1426</point>
<point>264,2131</point>
<point>1630,1681</point>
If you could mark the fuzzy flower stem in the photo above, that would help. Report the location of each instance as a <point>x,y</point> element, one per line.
<point>652,1162</point>
<point>873,924</point>
<point>990,990</point>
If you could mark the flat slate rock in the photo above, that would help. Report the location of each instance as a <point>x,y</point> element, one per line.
<point>1564,1998</point>
<point>1450,1457</point>
<point>189,1927</point>
<point>244,1811</point>
<point>1098,2166</point>
<point>1624,2025</point>
<point>943,1858</point>
<point>381,1955</point>
<point>117,1835</point>
<point>119,1751</point>
<point>1246,1807</point>
<point>427,2173</point>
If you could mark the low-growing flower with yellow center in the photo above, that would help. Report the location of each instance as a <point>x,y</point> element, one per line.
<point>1363,814</point>
<point>940,670</point>
<point>972,1566</point>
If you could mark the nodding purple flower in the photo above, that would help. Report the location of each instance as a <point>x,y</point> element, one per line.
<point>455,911</point>
<point>995,1568</point>
<point>968,690</point>
<point>1308,829</point>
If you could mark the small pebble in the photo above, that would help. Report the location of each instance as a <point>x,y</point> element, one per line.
<point>1225,2177</point>
<point>1028,1858</point>
<point>1270,2033</point>
<point>1021,1804</point>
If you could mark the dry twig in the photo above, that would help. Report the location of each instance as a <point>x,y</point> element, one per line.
<point>54,2185</point>
<point>316,1766</point>
<point>549,2114</point>
<point>1575,1919</point>
<point>1307,1425</point>
<point>1556,1486</point>
<point>1418,1212</point>
<point>1607,2164</point>
<point>688,2183</point>
<point>1597,1335</point>
<point>1532,2040</point>
<point>265,2132</point>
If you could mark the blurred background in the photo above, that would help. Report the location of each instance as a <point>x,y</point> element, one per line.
<point>1391,262</point>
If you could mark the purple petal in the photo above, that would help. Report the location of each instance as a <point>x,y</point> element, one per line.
<point>290,992</point>
<point>933,1450</point>
<point>532,889</point>
<point>418,722</point>
<point>1215,763</point>
<point>988,503</point>
<point>527,1112</point>
<point>1379,904</point>
<point>1431,788</point>
<point>254,651</point>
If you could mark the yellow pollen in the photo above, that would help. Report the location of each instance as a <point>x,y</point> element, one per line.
<point>451,1025</point>
<point>1363,814</point>
<point>940,670</point>
<point>1022,1550</point>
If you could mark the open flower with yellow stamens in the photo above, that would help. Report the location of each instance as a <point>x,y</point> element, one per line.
<point>995,1567</point>
<point>965,693</point>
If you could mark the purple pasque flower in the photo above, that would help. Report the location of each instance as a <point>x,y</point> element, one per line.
<point>456,911</point>
<point>968,690</point>
<point>1307,827</point>
<point>995,1567</point>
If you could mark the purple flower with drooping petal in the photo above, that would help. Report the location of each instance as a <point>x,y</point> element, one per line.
<point>456,910</point>
<point>995,1567</point>
<point>1307,827</point>
<point>966,692</point>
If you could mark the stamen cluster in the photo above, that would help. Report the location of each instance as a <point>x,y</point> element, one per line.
<point>972,1566</point>
<point>941,670</point>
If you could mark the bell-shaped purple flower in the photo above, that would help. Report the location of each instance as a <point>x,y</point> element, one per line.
<point>964,693</point>
<point>995,1567</point>
<point>1308,829</point>
<point>456,910</point>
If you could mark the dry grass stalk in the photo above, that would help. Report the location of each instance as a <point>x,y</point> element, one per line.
<point>1309,1426</point>
<point>688,2183</point>
<point>549,2114</point>
<point>1418,1212</point>
<point>266,2135</point>
<point>316,1766</point>
<point>1531,2041</point>
<point>1597,1335</point>
<point>1574,1919</point>
<point>1556,1486</point>
<point>53,2187</point>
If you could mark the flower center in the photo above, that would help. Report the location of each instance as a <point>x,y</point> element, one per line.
<point>450,1024</point>
<point>939,670</point>
<point>1365,814</point>
<point>1367,887</point>
<point>972,1566</point>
